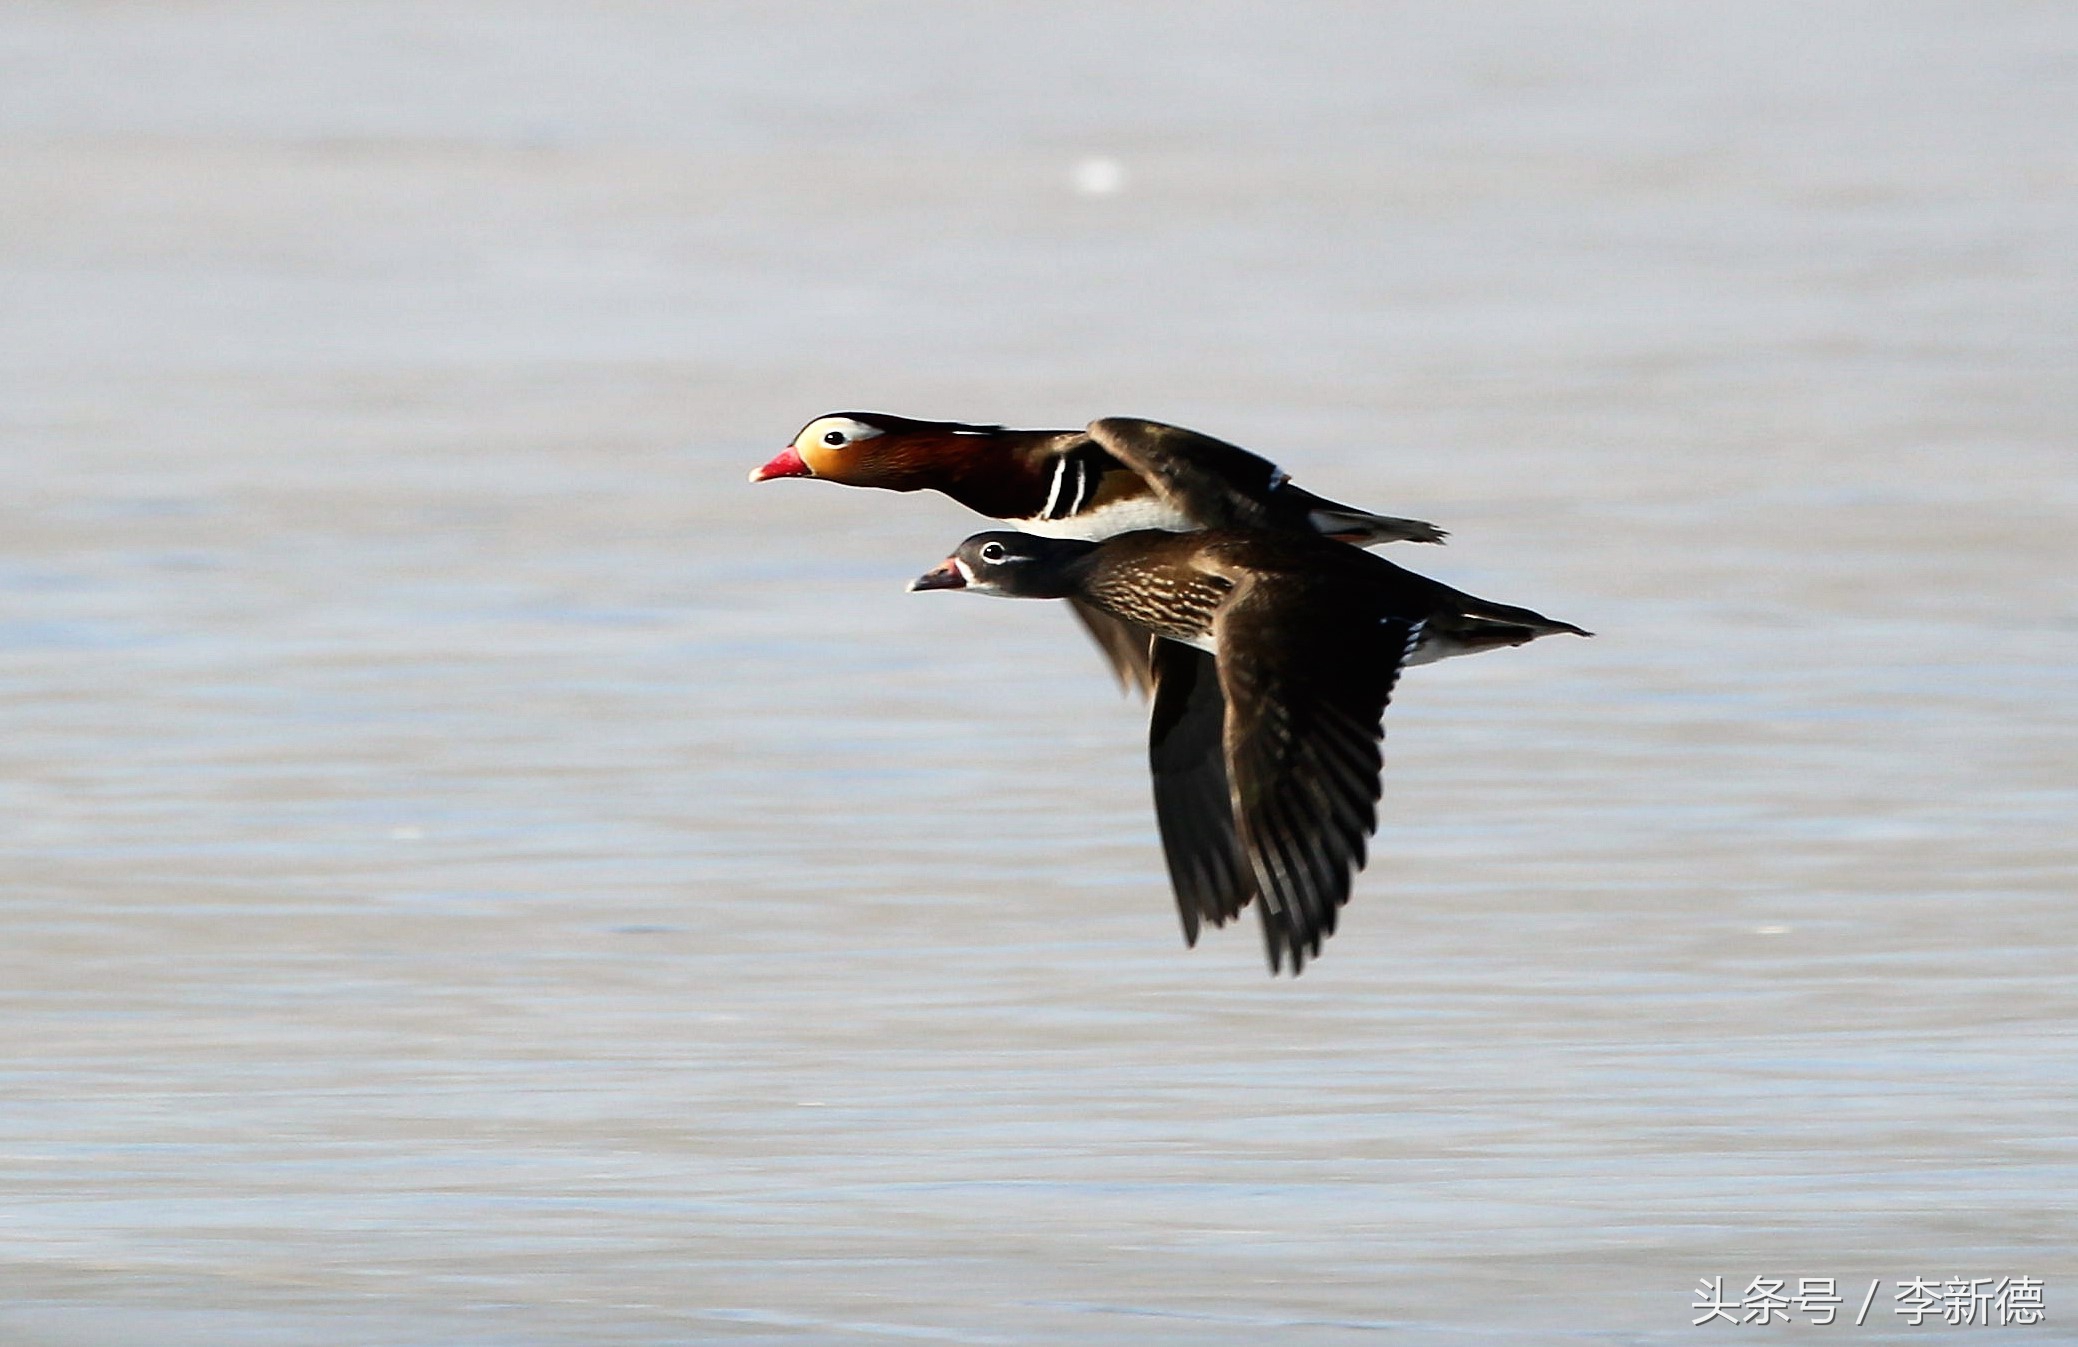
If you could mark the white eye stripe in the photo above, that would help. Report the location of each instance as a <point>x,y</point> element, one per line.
<point>848,431</point>
<point>993,553</point>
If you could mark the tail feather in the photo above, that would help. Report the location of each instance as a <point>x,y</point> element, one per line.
<point>1369,530</point>
<point>1501,612</point>
<point>1465,634</point>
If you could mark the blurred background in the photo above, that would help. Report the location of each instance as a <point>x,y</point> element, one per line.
<point>477,872</point>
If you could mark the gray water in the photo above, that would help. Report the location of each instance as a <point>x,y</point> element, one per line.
<point>476,872</point>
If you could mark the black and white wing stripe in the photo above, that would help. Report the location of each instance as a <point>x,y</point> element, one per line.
<point>1073,484</point>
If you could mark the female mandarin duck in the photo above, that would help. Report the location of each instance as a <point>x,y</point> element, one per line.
<point>1117,475</point>
<point>1275,657</point>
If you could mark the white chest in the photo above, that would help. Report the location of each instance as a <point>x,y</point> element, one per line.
<point>1108,521</point>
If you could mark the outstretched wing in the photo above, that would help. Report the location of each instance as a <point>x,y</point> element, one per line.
<point>1305,701</point>
<point>1192,801</point>
<point>1218,485</point>
<point>1124,644</point>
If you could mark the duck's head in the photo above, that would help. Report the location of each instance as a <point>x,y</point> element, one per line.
<point>895,453</point>
<point>1009,565</point>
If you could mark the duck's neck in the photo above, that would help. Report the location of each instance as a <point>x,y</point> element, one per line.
<point>1004,476</point>
<point>1063,572</point>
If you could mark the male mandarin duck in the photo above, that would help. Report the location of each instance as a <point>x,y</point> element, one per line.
<point>1117,475</point>
<point>1275,655</point>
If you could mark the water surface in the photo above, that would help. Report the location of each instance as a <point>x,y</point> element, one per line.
<point>478,873</point>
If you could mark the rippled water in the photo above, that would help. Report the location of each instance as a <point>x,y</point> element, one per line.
<point>478,873</point>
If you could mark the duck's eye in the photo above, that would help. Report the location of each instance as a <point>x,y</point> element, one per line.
<point>834,437</point>
<point>993,552</point>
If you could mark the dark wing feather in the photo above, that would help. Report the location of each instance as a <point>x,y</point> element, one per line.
<point>1192,802</point>
<point>1305,701</point>
<point>1125,645</point>
<point>1219,485</point>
